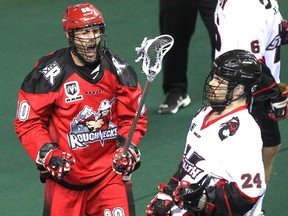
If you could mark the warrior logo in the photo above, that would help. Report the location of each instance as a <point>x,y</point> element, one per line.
<point>51,72</point>
<point>276,42</point>
<point>190,164</point>
<point>119,67</point>
<point>72,91</point>
<point>90,126</point>
<point>229,128</point>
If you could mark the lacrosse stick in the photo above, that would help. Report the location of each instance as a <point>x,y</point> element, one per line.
<point>151,53</point>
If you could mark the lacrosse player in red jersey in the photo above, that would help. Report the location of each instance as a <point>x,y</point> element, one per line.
<point>221,171</point>
<point>61,125</point>
<point>257,26</point>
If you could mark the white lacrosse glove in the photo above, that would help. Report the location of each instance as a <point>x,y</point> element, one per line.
<point>279,105</point>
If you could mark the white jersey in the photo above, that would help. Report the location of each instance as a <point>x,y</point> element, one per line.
<point>228,148</point>
<point>252,26</point>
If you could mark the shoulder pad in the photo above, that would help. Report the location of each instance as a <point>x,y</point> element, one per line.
<point>125,73</point>
<point>48,73</point>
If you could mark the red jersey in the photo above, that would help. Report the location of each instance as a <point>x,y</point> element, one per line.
<point>82,109</point>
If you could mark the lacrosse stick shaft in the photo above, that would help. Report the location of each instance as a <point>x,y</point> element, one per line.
<point>152,52</point>
<point>135,121</point>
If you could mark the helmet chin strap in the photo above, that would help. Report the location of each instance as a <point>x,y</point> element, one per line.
<point>220,107</point>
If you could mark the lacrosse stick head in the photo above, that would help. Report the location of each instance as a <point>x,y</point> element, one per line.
<point>152,52</point>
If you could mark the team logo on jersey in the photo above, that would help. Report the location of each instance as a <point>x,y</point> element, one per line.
<point>189,164</point>
<point>229,128</point>
<point>72,91</point>
<point>90,126</point>
<point>119,66</point>
<point>51,72</point>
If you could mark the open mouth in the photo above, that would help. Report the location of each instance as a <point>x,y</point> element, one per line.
<point>91,50</point>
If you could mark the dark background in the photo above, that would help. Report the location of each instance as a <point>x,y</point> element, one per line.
<point>33,28</point>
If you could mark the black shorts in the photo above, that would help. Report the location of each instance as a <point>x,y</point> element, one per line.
<point>270,131</point>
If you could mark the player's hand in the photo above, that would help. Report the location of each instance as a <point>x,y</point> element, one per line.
<point>57,162</point>
<point>279,106</point>
<point>125,165</point>
<point>192,197</point>
<point>279,110</point>
<point>284,32</point>
<point>161,204</point>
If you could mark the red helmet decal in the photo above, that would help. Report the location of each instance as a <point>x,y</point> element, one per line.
<point>81,15</point>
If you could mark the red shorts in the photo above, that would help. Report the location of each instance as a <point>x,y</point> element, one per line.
<point>108,197</point>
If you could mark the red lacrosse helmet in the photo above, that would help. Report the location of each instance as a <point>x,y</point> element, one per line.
<point>82,15</point>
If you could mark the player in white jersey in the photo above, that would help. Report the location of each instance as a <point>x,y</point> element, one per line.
<point>255,26</point>
<point>221,171</point>
<point>250,25</point>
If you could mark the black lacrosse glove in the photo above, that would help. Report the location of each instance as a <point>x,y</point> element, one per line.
<point>161,204</point>
<point>192,197</point>
<point>279,105</point>
<point>50,158</point>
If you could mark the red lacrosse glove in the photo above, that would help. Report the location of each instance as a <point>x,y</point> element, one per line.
<point>279,105</point>
<point>161,204</point>
<point>57,162</point>
<point>126,165</point>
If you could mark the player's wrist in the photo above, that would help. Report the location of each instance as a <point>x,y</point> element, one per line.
<point>44,153</point>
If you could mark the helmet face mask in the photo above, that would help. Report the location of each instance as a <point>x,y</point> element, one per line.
<point>86,43</point>
<point>85,30</point>
<point>217,92</point>
<point>233,68</point>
